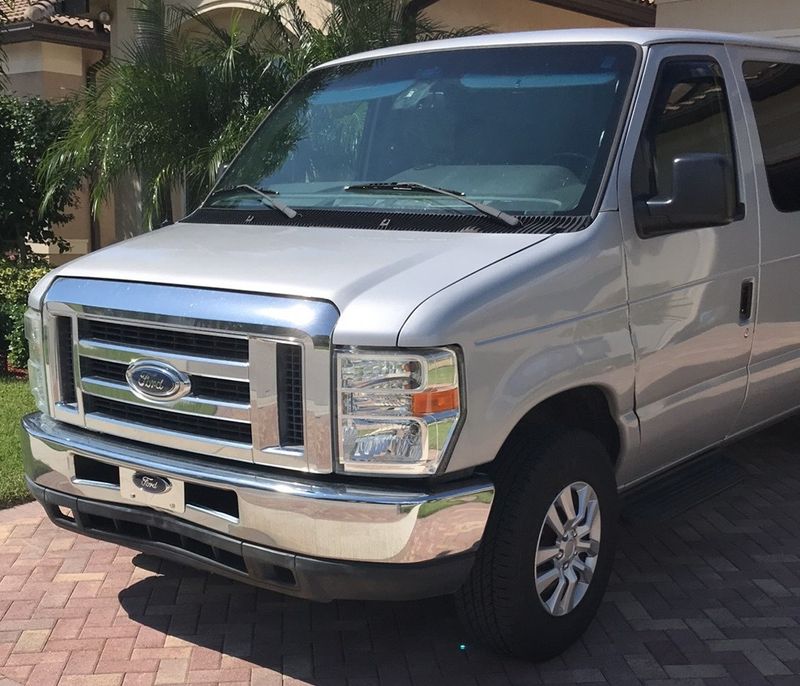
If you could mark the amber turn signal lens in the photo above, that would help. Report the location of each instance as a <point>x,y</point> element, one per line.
<point>433,402</point>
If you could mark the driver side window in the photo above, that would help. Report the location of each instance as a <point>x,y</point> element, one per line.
<point>688,114</point>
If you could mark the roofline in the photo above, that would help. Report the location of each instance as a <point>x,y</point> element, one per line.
<point>27,31</point>
<point>634,36</point>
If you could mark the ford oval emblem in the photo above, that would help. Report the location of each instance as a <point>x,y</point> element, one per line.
<point>157,381</point>
<point>150,483</point>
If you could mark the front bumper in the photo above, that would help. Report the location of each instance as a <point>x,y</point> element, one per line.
<point>311,538</point>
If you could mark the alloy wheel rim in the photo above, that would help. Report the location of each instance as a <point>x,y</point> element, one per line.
<point>567,549</point>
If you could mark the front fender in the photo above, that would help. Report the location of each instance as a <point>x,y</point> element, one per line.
<point>540,322</point>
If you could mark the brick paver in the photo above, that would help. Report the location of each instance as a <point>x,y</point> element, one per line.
<point>709,597</point>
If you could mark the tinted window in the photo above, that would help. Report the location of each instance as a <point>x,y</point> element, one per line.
<point>526,129</point>
<point>775,93</point>
<point>688,114</point>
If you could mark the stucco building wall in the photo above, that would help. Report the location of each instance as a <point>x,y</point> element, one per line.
<point>54,71</point>
<point>779,18</point>
<point>510,15</point>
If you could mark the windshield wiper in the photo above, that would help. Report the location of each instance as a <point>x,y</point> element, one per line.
<point>266,195</point>
<point>414,187</point>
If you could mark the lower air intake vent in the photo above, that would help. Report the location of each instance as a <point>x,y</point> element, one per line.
<point>156,534</point>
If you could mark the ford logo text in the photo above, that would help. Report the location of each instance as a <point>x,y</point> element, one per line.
<point>150,483</point>
<point>157,381</point>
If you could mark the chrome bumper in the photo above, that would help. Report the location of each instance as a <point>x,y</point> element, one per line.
<point>318,518</point>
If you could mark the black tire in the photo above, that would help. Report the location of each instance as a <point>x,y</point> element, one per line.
<point>499,603</point>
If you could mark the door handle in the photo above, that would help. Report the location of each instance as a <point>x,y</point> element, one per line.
<point>746,300</point>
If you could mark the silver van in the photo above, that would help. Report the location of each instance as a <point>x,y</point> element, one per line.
<point>448,301</point>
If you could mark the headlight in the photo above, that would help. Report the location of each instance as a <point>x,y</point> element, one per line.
<point>36,377</point>
<point>398,411</point>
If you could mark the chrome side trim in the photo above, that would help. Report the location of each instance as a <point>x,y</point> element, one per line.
<point>264,395</point>
<point>338,520</point>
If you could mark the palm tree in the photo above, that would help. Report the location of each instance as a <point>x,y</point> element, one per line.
<point>185,97</point>
<point>167,108</point>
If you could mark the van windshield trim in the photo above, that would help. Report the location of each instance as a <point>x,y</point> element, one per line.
<point>298,195</point>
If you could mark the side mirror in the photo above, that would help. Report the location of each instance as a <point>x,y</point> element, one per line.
<point>703,194</point>
<point>221,172</point>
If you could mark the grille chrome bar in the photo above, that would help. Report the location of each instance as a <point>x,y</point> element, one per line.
<point>168,439</point>
<point>242,406</point>
<point>166,340</point>
<point>190,364</point>
<point>208,387</point>
<point>264,397</point>
<point>227,411</point>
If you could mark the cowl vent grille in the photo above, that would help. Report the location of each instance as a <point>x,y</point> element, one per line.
<point>391,221</point>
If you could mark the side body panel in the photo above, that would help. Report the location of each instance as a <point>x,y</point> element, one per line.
<point>692,347</point>
<point>775,362</point>
<point>539,322</point>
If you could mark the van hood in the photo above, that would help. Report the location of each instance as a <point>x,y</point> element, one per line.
<point>375,278</point>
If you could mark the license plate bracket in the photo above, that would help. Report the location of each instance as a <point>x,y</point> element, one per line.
<point>152,490</point>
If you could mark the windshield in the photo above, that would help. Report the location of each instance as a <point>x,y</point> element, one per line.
<point>526,130</point>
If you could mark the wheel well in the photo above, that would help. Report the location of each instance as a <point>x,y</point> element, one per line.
<point>584,408</point>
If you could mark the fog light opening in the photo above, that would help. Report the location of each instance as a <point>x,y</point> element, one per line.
<point>66,513</point>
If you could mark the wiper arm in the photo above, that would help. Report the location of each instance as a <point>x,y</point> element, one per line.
<point>266,195</point>
<point>414,187</point>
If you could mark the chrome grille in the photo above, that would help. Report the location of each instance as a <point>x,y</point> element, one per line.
<point>171,421</point>
<point>209,388</point>
<point>164,340</point>
<point>249,396</point>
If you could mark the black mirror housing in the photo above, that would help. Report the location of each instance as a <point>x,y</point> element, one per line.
<point>703,195</point>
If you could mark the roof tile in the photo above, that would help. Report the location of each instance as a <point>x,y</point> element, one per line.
<point>44,11</point>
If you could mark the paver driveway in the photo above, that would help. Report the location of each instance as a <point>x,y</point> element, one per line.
<point>709,597</point>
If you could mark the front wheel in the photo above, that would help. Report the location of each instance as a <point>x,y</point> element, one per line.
<point>546,557</point>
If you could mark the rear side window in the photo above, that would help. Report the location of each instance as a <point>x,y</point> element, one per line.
<point>774,90</point>
<point>689,113</point>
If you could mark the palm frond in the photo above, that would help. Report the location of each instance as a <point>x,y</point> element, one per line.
<point>187,92</point>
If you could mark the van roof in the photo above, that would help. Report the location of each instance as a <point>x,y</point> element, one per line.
<point>636,36</point>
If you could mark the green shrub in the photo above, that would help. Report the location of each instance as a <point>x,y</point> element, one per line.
<point>17,278</point>
<point>27,129</point>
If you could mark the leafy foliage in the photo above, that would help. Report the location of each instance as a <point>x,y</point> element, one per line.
<point>18,276</point>
<point>27,129</point>
<point>187,95</point>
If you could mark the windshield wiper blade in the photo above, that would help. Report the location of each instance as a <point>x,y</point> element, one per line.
<point>266,195</point>
<point>414,187</point>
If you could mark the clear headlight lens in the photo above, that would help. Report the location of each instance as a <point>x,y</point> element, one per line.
<point>397,410</point>
<point>36,376</point>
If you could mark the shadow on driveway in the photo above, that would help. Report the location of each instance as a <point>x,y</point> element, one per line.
<point>710,595</point>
